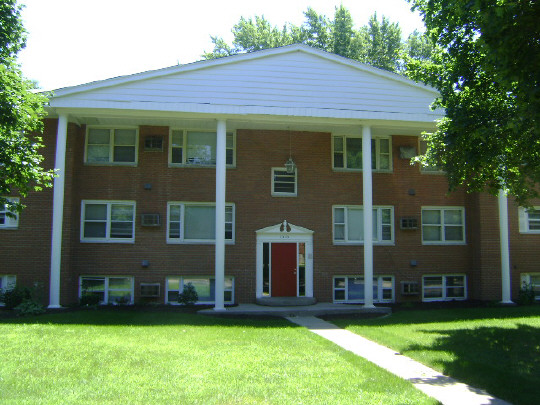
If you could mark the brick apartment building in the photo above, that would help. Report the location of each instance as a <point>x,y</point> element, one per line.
<point>179,176</point>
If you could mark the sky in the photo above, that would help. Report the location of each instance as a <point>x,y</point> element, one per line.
<point>73,42</point>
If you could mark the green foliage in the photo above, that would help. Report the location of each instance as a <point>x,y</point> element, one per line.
<point>485,66</point>
<point>24,300</point>
<point>89,300</point>
<point>15,296</point>
<point>385,43</point>
<point>526,295</point>
<point>30,307</point>
<point>378,43</point>
<point>188,296</point>
<point>21,111</point>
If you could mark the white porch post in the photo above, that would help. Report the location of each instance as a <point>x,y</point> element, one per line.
<point>58,211</point>
<point>505,248</point>
<point>368,216</point>
<point>221,169</point>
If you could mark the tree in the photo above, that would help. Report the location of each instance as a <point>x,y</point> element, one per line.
<point>21,111</point>
<point>384,43</point>
<point>486,68</point>
<point>378,44</point>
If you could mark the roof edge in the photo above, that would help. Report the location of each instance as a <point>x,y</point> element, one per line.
<point>204,64</point>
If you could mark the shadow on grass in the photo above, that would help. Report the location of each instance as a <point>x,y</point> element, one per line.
<point>140,316</point>
<point>503,361</point>
<point>429,314</point>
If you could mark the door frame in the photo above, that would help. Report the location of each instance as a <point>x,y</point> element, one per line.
<point>284,233</point>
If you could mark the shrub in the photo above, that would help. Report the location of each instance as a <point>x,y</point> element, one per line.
<point>89,300</point>
<point>526,294</point>
<point>30,307</point>
<point>15,297</point>
<point>189,295</point>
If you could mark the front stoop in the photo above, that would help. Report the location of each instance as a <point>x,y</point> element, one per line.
<point>285,301</point>
<point>318,309</point>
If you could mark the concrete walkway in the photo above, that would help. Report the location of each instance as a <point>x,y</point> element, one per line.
<point>445,389</point>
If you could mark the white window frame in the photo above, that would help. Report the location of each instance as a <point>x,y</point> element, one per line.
<point>280,193</point>
<point>443,286</point>
<point>185,133</point>
<point>377,140</point>
<point>378,240</point>
<point>427,169</point>
<point>187,277</point>
<point>107,238</point>
<point>111,162</point>
<point>378,281</point>
<point>9,222</point>
<point>525,221</point>
<point>442,225</point>
<point>182,239</point>
<point>107,289</point>
<point>526,281</point>
<point>7,283</point>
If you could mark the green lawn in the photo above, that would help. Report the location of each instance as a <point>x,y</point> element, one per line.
<point>145,356</point>
<point>497,349</point>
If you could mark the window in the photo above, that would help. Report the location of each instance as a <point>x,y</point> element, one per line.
<point>444,288</point>
<point>443,225</point>
<point>283,183</point>
<point>349,224</point>
<point>104,221</point>
<point>7,221</point>
<point>7,283</point>
<point>153,143</point>
<point>111,146</point>
<point>205,287</point>
<point>347,153</point>
<point>110,290</point>
<point>351,289</point>
<point>196,222</point>
<point>198,148</point>
<point>529,220</point>
<point>428,169</point>
<point>533,281</point>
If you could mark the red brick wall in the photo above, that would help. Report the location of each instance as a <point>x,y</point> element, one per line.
<point>248,187</point>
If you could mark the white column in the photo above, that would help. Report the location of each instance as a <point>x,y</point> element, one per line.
<point>221,169</point>
<point>259,271</point>
<point>505,248</point>
<point>368,216</point>
<point>58,211</point>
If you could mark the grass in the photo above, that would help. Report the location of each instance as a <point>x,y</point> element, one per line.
<point>110,356</point>
<point>497,349</point>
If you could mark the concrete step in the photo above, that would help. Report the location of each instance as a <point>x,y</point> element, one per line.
<point>286,301</point>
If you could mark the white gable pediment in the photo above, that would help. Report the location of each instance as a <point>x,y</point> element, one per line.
<point>284,229</point>
<point>289,81</point>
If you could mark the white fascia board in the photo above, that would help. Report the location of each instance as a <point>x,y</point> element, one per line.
<point>245,110</point>
<point>204,64</point>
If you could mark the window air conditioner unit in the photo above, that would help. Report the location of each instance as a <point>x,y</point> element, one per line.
<point>150,290</point>
<point>408,223</point>
<point>410,288</point>
<point>150,220</point>
<point>153,143</point>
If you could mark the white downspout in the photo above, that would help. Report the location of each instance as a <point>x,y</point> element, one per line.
<point>221,170</point>
<point>58,211</point>
<point>368,216</point>
<point>505,248</point>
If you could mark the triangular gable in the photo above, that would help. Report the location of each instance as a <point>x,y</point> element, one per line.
<point>295,80</point>
<point>284,228</point>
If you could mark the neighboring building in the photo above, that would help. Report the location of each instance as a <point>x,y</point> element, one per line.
<point>149,156</point>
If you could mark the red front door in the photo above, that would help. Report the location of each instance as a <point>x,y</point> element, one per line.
<point>283,269</point>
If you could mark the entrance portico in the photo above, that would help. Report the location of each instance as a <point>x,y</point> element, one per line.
<point>284,261</point>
